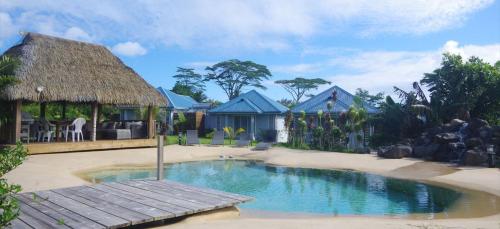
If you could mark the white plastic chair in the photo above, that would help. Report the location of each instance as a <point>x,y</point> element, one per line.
<point>47,131</point>
<point>76,126</point>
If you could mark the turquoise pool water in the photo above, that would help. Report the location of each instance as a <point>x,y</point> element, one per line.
<point>300,190</point>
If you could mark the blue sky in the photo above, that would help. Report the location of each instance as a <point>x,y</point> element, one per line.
<point>351,43</point>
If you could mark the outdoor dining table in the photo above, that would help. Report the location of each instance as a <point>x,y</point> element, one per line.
<point>61,125</point>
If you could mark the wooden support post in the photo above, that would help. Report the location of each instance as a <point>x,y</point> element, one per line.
<point>151,124</point>
<point>159,159</point>
<point>95,108</point>
<point>43,108</point>
<point>99,113</point>
<point>17,121</point>
<point>64,104</point>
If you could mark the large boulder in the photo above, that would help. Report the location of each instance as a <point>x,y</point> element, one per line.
<point>473,142</point>
<point>425,151</point>
<point>395,151</point>
<point>477,123</point>
<point>445,138</point>
<point>454,125</point>
<point>434,130</point>
<point>485,133</point>
<point>443,153</point>
<point>422,140</point>
<point>475,157</point>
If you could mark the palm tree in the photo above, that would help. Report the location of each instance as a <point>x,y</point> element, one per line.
<point>231,134</point>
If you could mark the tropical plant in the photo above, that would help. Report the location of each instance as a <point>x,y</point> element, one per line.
<point>231,133</point>
<point>235,75</point>
<point>356,120</point>
<point>180,122</point>
<point>7,67</point>
<point>298,87</point>
<point>10,158</point>
<point>461,89</point>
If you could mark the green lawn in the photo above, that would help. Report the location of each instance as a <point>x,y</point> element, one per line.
<point>173,139</point>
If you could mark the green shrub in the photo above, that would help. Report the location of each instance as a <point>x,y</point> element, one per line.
<point>10,158</point>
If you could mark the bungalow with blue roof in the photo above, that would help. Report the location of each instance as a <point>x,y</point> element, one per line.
<point>261,117</point>
<point>319,102</point>
<point>344,101</point>
<point>185,104</point>
<point>175,103</point>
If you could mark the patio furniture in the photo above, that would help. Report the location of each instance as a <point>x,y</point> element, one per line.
<point>243,140</point>
<point>218,138</point>
<point>47,130</point>
<point>25,132</point>
<point>117,130</point>
<point>76,129</point>
<point>192,137</point>
<point>262,146</point>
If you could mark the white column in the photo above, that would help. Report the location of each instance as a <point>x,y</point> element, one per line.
<point>95,107</point>
<point>252,127</point>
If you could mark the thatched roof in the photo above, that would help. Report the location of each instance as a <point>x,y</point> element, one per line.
<point>77,72</point>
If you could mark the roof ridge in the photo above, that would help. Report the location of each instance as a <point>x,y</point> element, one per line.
<point>268,100</point>
<point>37,35</point>
<point>250,103</point>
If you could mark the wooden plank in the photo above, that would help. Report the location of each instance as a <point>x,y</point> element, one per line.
<point>96,215</point>
<point>59,213</point>
<point>19,224</point>
<point>62,147</point>
<point>174,209</point>
<point>206,190</point>
<point>201,192</point>
<point>130,215</point>
<point>105,197</point>
<point>196,207</point>
<point>37,219</point>
<point>192,196</point>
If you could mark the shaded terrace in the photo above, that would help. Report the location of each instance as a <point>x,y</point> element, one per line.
<point>56,71</point>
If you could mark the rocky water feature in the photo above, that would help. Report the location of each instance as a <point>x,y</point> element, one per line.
<point>458,141</point>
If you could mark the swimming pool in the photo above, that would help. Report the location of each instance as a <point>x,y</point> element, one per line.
<point>301,190</point>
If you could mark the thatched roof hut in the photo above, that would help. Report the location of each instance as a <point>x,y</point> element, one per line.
<point>78,72</point>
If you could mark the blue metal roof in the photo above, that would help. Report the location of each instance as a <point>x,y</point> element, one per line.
<point>319,101</point>
<point>251,102</point>
<point>176,101</point>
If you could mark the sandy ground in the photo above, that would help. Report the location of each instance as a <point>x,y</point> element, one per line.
<point>49,171</point>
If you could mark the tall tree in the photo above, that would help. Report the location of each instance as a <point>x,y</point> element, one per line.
<point>286,102</point>
<point>234,75</point>
<point>189,83</point>
<point>298,87</point>
<point>374,100</point>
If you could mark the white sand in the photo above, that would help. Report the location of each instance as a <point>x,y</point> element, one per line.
<point>62,170</point>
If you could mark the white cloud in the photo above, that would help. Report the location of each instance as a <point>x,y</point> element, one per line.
<point>7,28</point>
<point>489,53</point>
<point>253,25</point>
<point>297,68</point>
<point>76,33</point>
<point>129,49</point>
<point>379,71</point>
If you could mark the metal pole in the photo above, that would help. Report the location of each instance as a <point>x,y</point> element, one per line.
<point>159,162</point>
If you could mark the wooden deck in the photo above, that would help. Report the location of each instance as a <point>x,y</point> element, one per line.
<point>118,204</point>
<point>59,147</point>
